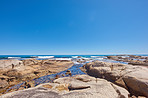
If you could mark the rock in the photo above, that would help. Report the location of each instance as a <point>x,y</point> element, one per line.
<point>2,77</point>
<point>36,72</point>
<point>137,81</point>
<point>133,78</point>
<point>72,87</point>
<point>134,56</point>
<point>121,91</point>
<point>131,59</point>
<point>85,78</point>
<point>27,85</point>
<point>48,62</point>
<point>3,84</point>
<point>57,76</point>
<point>79,57</point>
<point>113,57</point>
<point>141,97</point>
<point>68,72</point>
<point>13,73</point>
<point>10,64</point>
<point>30,62</point>
<point>33,69</point>
<point>139,63</point>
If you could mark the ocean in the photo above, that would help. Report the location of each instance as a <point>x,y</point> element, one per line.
<point>46,56</point>
<point>53,56</point>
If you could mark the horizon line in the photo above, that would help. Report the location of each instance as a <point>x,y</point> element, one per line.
<point>85,54</point>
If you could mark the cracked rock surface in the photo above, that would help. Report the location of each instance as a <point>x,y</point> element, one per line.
<point>80,86</point>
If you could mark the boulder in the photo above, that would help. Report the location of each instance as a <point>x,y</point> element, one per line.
<point>72,87</point>
<point>133,78</point>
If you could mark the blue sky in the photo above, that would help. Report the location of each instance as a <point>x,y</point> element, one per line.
<point>73,26</point>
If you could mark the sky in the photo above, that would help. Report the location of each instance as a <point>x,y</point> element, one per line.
<point>73,27</point>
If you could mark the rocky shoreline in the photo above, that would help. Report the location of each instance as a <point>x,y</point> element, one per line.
<point>132,78</point>
<point>102,79</point>
<point>13,71</point>
<point>80,86</point>
<point>131,59</point>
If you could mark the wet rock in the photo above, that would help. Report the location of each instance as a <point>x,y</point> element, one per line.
<point>79,57</point>
<point>57,76</point>
<point>27,85</point>
<point>68,72</point>
<point>81,60</point>
<point>63,75</point>
<point>112,57</point>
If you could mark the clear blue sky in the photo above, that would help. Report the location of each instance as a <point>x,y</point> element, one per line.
<point>73,26</point>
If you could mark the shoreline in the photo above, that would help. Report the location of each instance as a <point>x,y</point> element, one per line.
<point>29,63</point>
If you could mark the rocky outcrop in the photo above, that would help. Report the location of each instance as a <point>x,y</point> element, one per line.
<point>133,78</point>
<point>27,70</point>
<point>131,59</point>
<point>81,86</point>
<point>140,63</point>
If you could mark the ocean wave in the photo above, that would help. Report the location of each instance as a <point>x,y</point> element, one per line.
<point>94,56</point>
<point>74,56</point>
<point>14,57</point>
<point>68,59</point>
<point>45,56</point>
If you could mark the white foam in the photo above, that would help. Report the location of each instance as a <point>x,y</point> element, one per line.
<point>74,56</point>
<point>13,57</point>
<point>86,58</point>
<point>45,56</point>
<point>68,59</point>
<point>95,56</point>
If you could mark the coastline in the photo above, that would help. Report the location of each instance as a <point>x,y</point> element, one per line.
<point>34,68</point>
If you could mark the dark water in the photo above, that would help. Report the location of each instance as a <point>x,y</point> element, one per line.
<point>75,70</point>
